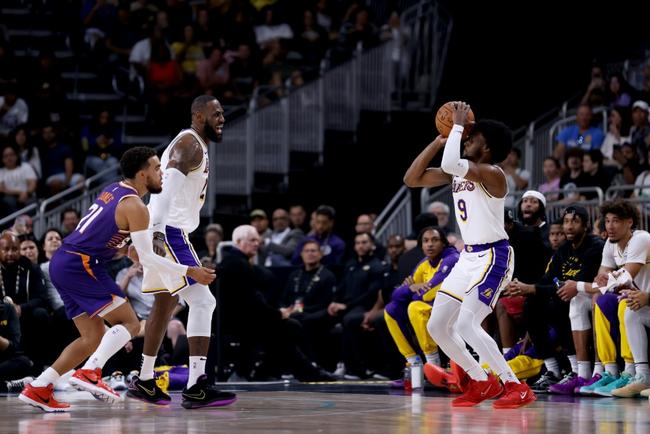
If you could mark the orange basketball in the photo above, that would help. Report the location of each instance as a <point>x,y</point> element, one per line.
<point>444,120</point>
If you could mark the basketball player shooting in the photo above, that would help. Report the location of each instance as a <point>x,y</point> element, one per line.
<point>175,213</point>
<point>468,295</point>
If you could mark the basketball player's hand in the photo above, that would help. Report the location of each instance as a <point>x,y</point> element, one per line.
<point>408,281</point>
<point>636,299</point>
<point>601,280</point>
<point>439,142</point>
<point>461,110</point>
<point>159,244</point>
<point>417,287</point>
<point>204,276</point>
<point>568,290</point>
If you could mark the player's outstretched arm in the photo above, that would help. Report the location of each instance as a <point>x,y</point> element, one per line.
<point>490,176</point>
<point>185,156</point>
<point>135,214</point>
<point>419,175</point>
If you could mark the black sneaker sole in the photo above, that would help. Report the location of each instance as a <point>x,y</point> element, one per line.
<point>141,397</point>
<point>188,404</point>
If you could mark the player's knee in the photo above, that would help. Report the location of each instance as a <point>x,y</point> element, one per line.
<point>199,297</point>
<point>391,309</point>
<point>436,327</point>
<point>413,311</point>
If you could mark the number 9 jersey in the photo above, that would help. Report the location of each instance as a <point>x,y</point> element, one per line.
<point>479,214</point>
<point>97,234</point>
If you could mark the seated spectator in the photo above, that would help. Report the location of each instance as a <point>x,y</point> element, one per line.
<point>552,170</point>
<point>206,34</point>
<point>23,225</point>
<point>47,89</point>
<point>102,142</point>
<point>278,247</point>
<point>188,52</point>
<point>58,163</point>
<point>441,211</point>
<point>332,246</point>
<point>163,73</point>
<point>22,288</point>
<point>98,17</point>
<point>51,242</point>
<point>260,221</point>
<point>594,174</point>
<point>13,111</point>
<point>366,225</point>
<point>532,212</point>
<point>121,38</point>
<point>556,235</point>
<point>69,220</point>
<point>628,161</point>
<point>581,135</point>
<point>246,315</point>
<point>28,152</point>
<point>573,177</point>
<point>29,248</point>
<point>244,70</point>
<point>297,215</point>
<point>271,29</point>
<point>213,235</point>
<point>213,73</point>
<point>357,30</point>
<point>640,130</point>
<point>614,136</point>
<point>619,91</point>
<point>141,51</point>
<point>516,177</point>
<point>312,40</point>
<point>17,181</point>
<point>14,364</point>
<point>596,91</point>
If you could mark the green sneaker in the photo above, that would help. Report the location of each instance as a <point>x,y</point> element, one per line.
<point>638,384</point>
<point>622,381</point>
<point>606,379</point>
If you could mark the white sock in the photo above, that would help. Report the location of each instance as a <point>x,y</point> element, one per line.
<point>113,341</point>
<point>146,371</point>
<point>413,359</point>
<point>49,376</point>
<point>434,358</point>
<point>584,369</point>
<point>197,368</point>
<point>477,373</point>
<point>642,368</point>
<point>598,369</point>
<point>630,368</point>
<point>505,350</point>
<point>612,369</point>
<point>552,365</point>
<point>573,360</point>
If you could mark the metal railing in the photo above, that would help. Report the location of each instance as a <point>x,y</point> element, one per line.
<point>396,217</point>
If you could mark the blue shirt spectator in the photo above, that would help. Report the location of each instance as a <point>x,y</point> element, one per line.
<point>581,135</point>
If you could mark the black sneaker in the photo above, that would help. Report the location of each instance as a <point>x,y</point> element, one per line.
<point>16,386</point>
<point>147,391</point>
<point>203,394</point>
<point>544,382</point>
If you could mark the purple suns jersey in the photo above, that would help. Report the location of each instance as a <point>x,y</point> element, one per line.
<point>97,234</point>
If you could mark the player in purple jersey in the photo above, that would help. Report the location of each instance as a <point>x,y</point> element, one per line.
<point>90,296</point>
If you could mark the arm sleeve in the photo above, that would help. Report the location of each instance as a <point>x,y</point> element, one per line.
<point>143,242</point>
<point>451,161</point>
<point>173,181</point>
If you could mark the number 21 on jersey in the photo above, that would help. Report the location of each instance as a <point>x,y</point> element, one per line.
<point>462,208</point>
<point>93,212</point>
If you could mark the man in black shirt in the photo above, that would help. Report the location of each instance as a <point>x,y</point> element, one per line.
<point>558,300</point>
<point>13,364</point>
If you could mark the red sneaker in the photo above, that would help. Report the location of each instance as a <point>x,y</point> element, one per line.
<point>516,395</point>
<point>443,378</point>
<point>463,378</point>
<point>479,391</point>
<point>43,398</point>
<point>90,380</point>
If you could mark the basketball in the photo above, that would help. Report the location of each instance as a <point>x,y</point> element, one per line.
<point>444,120</point>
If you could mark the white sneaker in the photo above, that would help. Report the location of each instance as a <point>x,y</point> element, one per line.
<point>15,386</point>
<point>117,381</point>
<point>340,370</point>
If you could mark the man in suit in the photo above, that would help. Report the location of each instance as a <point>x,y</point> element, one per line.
<point>279,245</point>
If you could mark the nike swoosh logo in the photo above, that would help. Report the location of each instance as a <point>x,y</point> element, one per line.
<point>45,401</point>
<point>484,393</point>
<point>90,380</point>
<point>199,396</point>
<point>151,392</point>
<point>523,395</point>
<point>480,256</point>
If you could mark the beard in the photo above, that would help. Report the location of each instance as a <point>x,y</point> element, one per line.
<point>153,189</point>
<point>210,133</point>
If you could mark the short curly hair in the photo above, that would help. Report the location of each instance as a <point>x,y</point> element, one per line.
<point>136,159</point>
<point>622,209</point>
<point>498,138</point>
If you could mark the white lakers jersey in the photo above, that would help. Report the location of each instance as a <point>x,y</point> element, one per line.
<point>636,251</point>
<point>479,214</point>
<point>185,207</point>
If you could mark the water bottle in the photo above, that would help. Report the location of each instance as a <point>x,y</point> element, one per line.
<point>299,305</point>
<point>417,377</point>
<point>558,283</point>
<point>407,378</point>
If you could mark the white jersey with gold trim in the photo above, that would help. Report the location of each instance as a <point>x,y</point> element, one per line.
<point>479,214</point>
<point>185,207</point>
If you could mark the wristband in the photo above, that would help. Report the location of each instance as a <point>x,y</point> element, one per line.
<point>581,287</point>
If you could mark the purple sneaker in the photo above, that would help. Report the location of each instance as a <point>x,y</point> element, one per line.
<point>568,384</point>
<point>397,384</point>
<point>593,380</point>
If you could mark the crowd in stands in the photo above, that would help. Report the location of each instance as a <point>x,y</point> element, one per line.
<point>178,49</point>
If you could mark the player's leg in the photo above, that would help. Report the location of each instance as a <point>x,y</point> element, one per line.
<point>635,323</point>
<point>419,313</point>
<point>606,335</point>
<point>125,325</point>
<point>40,393</point>
<point>397,321</point>
<point>198,393</point>
<point>580,315</point>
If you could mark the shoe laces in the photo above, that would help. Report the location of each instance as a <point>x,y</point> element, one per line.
<point>568,378</point>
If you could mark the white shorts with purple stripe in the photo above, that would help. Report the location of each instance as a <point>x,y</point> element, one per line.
<point>180,250</point>
<point>482,271</point>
